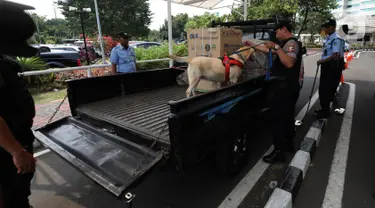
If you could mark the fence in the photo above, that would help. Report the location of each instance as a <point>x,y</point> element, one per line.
<point>49,71</point>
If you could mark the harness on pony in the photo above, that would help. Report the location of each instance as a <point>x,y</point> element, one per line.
<point>228,62</point>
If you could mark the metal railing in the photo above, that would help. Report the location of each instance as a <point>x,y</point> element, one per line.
<point>49,71</point>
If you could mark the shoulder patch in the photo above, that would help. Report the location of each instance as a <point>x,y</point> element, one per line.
<point>291,47</point>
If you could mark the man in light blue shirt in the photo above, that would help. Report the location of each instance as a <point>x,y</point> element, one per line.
<point>332,64</point>
<point>123,56</point>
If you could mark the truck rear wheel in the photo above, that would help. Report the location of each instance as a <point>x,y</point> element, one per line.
<point>233,151</point>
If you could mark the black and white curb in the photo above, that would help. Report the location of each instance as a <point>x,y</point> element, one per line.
<point>284,194</point>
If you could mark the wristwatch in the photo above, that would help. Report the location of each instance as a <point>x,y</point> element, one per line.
<point>277,47</point>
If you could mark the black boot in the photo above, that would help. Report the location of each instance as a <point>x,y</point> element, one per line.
<point>275,157</point>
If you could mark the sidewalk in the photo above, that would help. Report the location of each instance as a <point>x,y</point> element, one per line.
<point>45,111</point>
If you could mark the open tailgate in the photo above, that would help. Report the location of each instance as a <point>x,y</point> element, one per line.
<point>106,158</point>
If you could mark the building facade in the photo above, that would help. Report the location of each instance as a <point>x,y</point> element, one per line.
<point>359,15</point>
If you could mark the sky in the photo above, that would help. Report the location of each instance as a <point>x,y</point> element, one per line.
<point>158,8</point>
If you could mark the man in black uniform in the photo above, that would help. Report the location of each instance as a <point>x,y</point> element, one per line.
<point>17,109</point>
<point>286,68</point>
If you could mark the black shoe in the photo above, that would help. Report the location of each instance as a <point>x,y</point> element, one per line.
<point>275,157</point>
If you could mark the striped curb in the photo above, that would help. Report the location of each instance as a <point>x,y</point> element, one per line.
<point>284,194</point>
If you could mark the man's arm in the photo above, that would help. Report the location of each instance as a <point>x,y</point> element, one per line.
<point>261,48</point>
<point>114,60</point>
<point>335,52</point>
<point>7,140</point>
<point>288,54</point>
<point>287,60</point>
<point>135,60</point>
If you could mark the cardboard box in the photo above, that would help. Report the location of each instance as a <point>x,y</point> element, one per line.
<point>212,42</point>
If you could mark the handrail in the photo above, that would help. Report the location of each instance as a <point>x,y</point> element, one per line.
<point>55,70</point>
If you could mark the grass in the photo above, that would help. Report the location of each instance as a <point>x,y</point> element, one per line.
<point>42,98</point>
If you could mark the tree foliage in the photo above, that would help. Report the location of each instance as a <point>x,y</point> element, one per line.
<point>178,25</point>
<point>297,11</point>
<point>203,21</point>
<point>133,17</point>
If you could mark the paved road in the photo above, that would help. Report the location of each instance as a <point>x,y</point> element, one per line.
<point>347,150</point>
<point>57,184</point>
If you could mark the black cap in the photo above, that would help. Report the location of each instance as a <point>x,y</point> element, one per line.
<point>284,23</point>
<point>16,6</point>
<point>123,35</point>
<point>329,22</point>
<point>17,25</point>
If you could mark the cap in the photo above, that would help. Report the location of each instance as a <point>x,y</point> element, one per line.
<point>123,35</point>
<point>14,5</point>
<point>284,23</point>
<point>329,22</point>
<point>13,20</point>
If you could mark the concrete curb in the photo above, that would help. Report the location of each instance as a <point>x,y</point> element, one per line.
<point>283,196</point>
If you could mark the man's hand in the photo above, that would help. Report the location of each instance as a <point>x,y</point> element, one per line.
<point>24,161</point>
<point>270,44</point>
<point>319,62</point>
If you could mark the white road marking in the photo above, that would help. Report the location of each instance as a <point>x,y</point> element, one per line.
<point>248,182</point>
<point>335,187</point>
<point>40,153</point>
<point>302,113</point>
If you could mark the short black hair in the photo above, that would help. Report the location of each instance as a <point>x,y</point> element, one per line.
<point>123,35</point>
<point>329,22</point>
<point>286,24</point>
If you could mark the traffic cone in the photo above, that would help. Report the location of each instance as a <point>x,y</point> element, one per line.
<point>342,79</point>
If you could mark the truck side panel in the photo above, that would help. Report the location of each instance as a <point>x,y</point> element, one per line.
<point>197,124</point>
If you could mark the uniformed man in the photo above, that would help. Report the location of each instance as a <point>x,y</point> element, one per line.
<point>123,56</point>
<point>332,64</point>
<point>286,68</point>
<point>17,110</point>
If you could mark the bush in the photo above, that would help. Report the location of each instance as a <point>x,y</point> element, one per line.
<point>158,52</point>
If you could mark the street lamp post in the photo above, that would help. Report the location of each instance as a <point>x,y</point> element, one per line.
<point>80,12</point>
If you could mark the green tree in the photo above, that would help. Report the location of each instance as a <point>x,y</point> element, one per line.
<point>297,11</point>
<point>178,26</point>
<point>314,20</point>
<point>319,10</point>
<point>58,28</point>
<point>202,21</point>
<point>134,16</point>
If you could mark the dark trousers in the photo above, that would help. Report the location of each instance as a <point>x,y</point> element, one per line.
<point>329,80</point>
<point>15,188</point>
<point>284,99</point>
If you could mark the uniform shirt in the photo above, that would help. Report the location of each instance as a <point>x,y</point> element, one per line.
<point>17,105</point>
<point>292,49</point>
<point>333,44</point>
<point>123,58</point>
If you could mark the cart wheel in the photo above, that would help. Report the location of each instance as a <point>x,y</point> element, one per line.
<point>233,152</point>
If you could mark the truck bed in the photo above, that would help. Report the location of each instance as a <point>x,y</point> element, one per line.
<point>145,112</point>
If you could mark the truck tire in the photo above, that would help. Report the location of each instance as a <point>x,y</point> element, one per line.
<point>233,150</point>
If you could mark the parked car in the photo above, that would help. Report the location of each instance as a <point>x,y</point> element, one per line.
<point>144,44</point>
<point>59,58</point>
<point>65,48</point>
